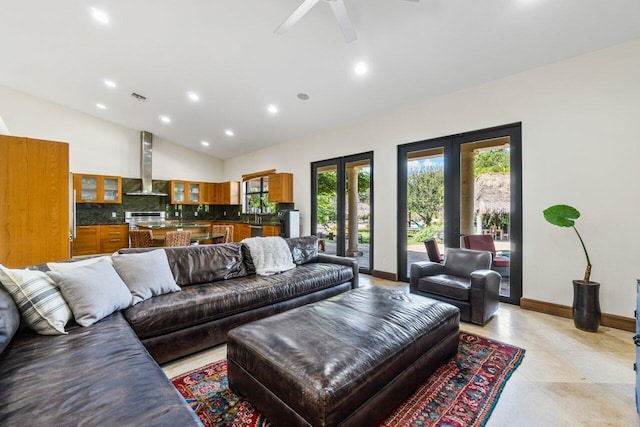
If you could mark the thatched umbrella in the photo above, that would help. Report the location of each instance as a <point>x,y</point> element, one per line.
<point>492,194</point>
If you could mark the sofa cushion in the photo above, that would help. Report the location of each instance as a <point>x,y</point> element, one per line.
<point>447,286</point>
<point>71,264</point>
<point>93,291</point>
<point>42,306</point>
<point>146,274</point>
<point>191,265</point>
<point>209,301</point>
<point>303,249</point>
<point>9,319</point>
<point>100,375</point>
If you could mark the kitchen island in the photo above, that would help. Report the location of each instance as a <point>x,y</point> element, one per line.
<point>200,231</point>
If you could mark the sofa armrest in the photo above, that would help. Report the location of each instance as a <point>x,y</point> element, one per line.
<point>422,269</point>
<point>484,295</point>
<point>349,262</point>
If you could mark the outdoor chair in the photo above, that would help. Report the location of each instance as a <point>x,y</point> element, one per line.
<point>433,252</point>
<point>464,280</point>
<point>177,238</point>
<point>484,242</point>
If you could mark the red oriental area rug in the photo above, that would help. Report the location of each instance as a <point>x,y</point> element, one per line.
<point>462,392</point>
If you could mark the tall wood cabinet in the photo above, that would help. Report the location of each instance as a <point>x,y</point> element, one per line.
<point>34,201</point>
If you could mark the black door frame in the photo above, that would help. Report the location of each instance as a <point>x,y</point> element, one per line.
<point>451,145</point>
<point>341,217</point>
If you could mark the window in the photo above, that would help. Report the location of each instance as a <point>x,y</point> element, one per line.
<point>257,196</point>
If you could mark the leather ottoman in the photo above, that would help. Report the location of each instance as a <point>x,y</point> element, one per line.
<point>349,360</point>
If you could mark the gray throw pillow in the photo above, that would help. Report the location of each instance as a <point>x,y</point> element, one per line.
<point>146,274</point>
<point>9,319</point>
<point>93,292</point>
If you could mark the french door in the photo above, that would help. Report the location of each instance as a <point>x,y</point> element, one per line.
<point>462,185</point>
<point>342,206</point>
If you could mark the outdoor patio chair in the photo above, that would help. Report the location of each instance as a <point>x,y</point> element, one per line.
<point>433,252</point>
<point>484,242</point>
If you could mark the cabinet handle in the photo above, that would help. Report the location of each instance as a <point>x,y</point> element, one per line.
<point>114,232</point>
<point>114,240</point>
<point>84,226</point>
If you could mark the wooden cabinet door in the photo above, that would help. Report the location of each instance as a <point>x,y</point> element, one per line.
<point>194,189</point>
<point>35,205</point>
<point>270,230</point>
<point>178,192</point>
<point>87,240</point>
<point>207,193</point>
<point>111,187</point>
<point>281,187</point>
<point>113,237</point>
<point>241,231</point>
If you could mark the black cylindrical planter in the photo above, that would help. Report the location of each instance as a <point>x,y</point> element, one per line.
<point>586,305</point>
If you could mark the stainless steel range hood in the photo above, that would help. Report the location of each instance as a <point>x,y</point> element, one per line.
<point>146,151</point>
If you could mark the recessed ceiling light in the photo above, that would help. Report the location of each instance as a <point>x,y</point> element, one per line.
<point>99,15</point>
<point>303,96</point>
<point>165,119</point>
<point>272,109</point>
<point>110,83</point>
<point>101,106</point>
<point>204,143</point>
<point>360,68</point>
<point>193,96</point>
<point>229,132</point>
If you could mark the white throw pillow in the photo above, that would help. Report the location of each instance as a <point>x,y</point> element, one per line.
<point>146,274</point>
<point>40,303</point>
<point>93,292</point>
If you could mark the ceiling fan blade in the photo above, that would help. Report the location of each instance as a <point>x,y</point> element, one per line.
<point>296,16</point>
<point>340,11</point>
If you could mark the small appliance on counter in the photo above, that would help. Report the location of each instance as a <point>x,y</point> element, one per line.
<point>289,223</point>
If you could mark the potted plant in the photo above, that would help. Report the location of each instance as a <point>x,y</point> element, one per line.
<point>586,303</point>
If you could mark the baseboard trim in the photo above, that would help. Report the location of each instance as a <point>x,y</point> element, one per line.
<point>610,320</point>
<point>384,275</point>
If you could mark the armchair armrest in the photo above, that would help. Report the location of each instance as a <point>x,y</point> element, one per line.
<point>349,262</point>
<point>484,295</point>
<point>422,269</point>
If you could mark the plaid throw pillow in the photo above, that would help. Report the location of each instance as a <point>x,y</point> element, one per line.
<point>38,299</point>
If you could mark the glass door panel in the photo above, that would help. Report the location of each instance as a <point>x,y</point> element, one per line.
<point>194,193</point>
<point>89,188</point>
<point>110,189</point>
<point>485,202</point>
<point>178,192</point>
<point>326,226</point>
<point>358,211</point>
<point>425,202</point>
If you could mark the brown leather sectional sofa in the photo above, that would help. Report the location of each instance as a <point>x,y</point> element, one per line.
<point>108,373</point>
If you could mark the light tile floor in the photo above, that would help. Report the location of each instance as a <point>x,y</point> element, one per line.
<point>567,378</point>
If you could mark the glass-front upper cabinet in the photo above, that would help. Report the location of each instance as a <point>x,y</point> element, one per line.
<point>194,192</point>
<point>177,190</point>
<point>97,188</point>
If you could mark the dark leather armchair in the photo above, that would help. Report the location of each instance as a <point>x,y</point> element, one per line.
<point>464,280</point>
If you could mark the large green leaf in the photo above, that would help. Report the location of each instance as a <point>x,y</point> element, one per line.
<point>561,215</point>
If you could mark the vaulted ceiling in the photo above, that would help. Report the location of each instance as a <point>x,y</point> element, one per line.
<point>226,53</point>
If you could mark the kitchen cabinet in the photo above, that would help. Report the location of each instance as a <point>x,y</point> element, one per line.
<point>281,188</point>
<point>113,237</point>
<point>241,231</point>
<point>270,230</point>
<point>186,192</point>
<point>100,239</point>
<point>97,188</point>
<point>87,240</point>
<point>226,193</point>
<point>35,203</point>
<point>207,194</point>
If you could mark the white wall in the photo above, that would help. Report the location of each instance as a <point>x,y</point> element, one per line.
<point>581,146</point>
<point>100,147</point>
